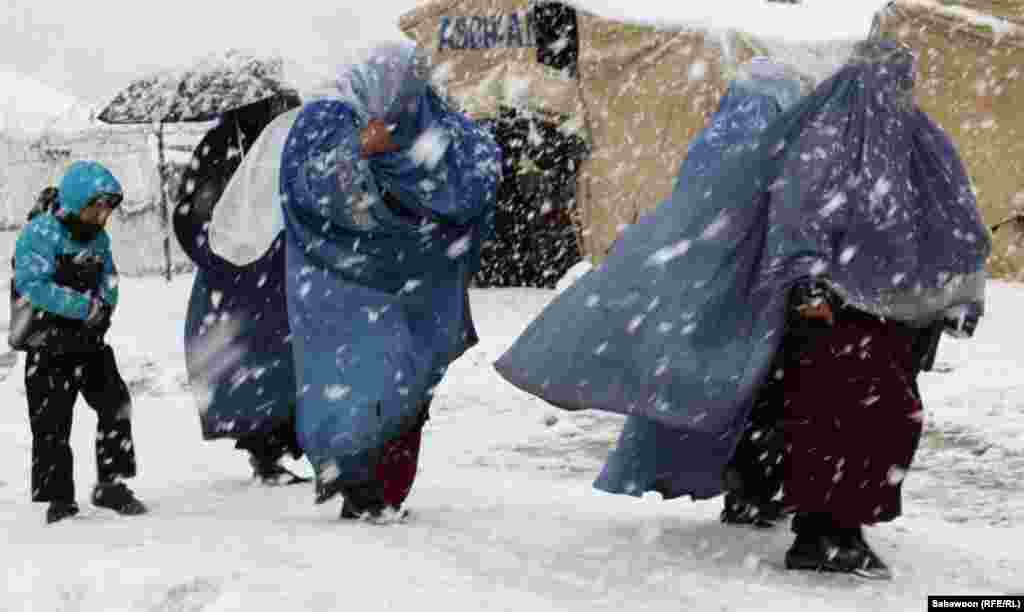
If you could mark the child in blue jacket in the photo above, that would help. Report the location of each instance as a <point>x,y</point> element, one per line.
<point>64,269</point>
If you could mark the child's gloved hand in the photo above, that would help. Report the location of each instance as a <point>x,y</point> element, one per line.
<point>810,300</point>
<point>99,314</point>
<point>376,138</point>
<point>820,310</point>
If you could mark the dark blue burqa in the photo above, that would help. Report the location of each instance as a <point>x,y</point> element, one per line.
<point>854,186</point>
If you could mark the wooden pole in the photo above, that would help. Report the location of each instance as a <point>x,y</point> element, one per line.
<point>164,213</point>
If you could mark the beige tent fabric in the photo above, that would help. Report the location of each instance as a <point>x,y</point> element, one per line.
<point>971,82</point>
<point>646,94</point>
<point>485,56</point>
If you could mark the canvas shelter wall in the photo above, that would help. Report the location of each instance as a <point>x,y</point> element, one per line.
<point>1012,10</point>
<point>22,168</point>
<point>646,94</point>
<point>486,55</point>
<point>639,94</point>
<point>971,82</point>
<point>490,58</point>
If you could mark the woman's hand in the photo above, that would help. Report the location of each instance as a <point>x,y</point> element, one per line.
<point>376,138</point>
<point>820,310</point>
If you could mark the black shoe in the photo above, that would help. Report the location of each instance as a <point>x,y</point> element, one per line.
<point>363,500</point>
<point>348,511</point>
<point>119,498</point>
<point>739,512</point>
<point>873,566</point>
<point>326,492</point>
<point>823,553</point>
<point>377,514</point>
<point>835,553</point>
<point>59,511</point>
<point>276,475</point>
<point>366,501</point>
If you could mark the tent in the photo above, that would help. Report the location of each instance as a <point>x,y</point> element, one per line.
<point>635,89</point>
<point>970,68</point>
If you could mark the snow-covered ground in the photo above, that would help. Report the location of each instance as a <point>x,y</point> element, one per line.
<point>504,517</point>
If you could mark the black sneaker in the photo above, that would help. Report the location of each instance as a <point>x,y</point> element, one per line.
<point>276,475</point>
<point>60,510</point>
<point>834,553</point>
<point>873,567</point>
<point>119,498</point>
<point>326,491</point>
<point>348,511</point>
<point>363,501</point>
<point>366,501</point>
<point>377,514</point>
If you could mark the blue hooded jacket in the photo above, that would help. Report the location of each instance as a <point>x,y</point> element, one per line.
<point>46,250</point>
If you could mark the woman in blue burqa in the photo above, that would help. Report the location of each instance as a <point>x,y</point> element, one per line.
<point>844,234</point>
<point>387,193</point>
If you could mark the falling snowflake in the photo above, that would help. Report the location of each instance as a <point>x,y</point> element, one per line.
<point>881,189</point>
<point>835,203</point>
<point>373,315</point>
<point>719,224</point>
<point>896,475</point>
<point>698,70</point>
<point>336,392</point>
<point>666,254</point>
<point>460,247</point>
<point>410,286</point>
<point>430,147</point>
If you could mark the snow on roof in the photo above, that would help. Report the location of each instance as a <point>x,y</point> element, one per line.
<point>1000,27</point>
<point>814,37</point>
<point>810,20</point>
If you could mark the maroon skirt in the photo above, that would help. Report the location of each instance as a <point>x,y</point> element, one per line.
<point>852,419</point>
